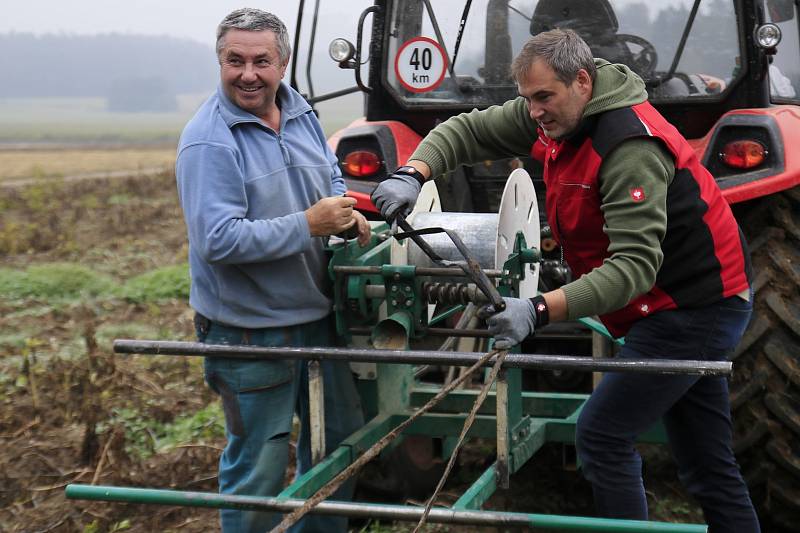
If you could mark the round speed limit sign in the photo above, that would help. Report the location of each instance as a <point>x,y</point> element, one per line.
<point>420,64</point>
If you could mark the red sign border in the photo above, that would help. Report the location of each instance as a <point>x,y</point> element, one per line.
<point>397,67</point>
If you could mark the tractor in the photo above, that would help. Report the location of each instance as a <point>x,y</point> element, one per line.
<point>725,73</point>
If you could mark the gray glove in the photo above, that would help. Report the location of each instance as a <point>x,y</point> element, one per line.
<point>511,326</point>
<point>396,195</point>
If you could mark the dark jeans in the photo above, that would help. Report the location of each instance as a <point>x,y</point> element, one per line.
<point>695,411</point>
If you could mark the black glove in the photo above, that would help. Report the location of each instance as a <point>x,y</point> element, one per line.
<point>397,194</point>
<point>519,320</point>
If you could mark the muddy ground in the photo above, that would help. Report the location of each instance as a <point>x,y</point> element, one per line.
<point>73,412</point>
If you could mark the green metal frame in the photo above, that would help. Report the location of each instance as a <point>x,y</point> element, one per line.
<point>521,422</point>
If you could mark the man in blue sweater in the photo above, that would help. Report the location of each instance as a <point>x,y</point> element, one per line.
<point>261,191</point>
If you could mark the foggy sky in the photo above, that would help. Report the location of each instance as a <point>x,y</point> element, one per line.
<point>191,19</point>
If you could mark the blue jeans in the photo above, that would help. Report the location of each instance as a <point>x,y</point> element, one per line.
<point>695,411</point>
<point>259,399</point>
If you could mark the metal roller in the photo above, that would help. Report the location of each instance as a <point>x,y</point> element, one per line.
<point>489,236</point>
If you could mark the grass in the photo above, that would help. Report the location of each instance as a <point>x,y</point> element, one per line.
<point>145,436</point>
<point>57,281</point>
<point>71,281</point>
<point>55,163</point>
<point>159,284</point>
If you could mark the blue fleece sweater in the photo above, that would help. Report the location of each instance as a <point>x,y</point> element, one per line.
<point>244,189</point>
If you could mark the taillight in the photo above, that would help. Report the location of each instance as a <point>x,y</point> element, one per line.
<point>743,154</point>
<point>361,163</point>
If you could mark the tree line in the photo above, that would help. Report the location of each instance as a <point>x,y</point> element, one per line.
<point>145,68</point>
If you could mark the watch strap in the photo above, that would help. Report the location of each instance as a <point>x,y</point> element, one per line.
<point>408,170</point>
<point>541,310</point>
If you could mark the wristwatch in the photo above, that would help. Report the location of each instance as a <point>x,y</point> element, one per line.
<point>541,310</point>
<point>408,170</point>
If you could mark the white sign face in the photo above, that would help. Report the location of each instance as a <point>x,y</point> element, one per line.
<point>420,65</point>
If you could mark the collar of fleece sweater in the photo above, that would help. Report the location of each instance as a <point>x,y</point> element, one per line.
<point>615,86</point>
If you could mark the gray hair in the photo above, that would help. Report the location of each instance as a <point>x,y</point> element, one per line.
<point>250,19</point>
<point>563,50</point>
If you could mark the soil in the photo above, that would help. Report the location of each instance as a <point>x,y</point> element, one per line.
<point>62,388</point>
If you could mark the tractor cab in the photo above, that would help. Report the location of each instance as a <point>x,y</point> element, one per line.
<point>701,60</point>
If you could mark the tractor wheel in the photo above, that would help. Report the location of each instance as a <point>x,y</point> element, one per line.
<point>765,387</point>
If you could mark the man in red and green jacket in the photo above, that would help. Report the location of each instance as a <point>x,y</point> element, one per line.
<point>655,249</point>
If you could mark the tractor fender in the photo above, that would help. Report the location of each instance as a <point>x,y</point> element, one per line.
<point>778,128</point>
<point>392,140</point>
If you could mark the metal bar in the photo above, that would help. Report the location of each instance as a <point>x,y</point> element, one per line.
<point>356,444</point>
<point>446,314</point>
<point>563,431</point>
<point>331,95</point>
<point>502,430</point>
<point>297,31</point>
<point>374,511</point>
<point>448,272</point>
<point>534,404</point>
<point>480,491</point>
<point>316,411</point>
<point>310,482</point>
<point>422,357</point>
<point>450,425</point>
<point>434,332</point>
<point>530,435</point>
<point>311,40</point>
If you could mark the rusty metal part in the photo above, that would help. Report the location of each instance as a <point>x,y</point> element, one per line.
<point>316,411</point>
<point>453,293</point>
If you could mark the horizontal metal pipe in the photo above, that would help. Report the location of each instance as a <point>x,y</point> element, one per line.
<point>434,332</point>
<point>420,271</point>
<point>423,357</point>
<point>374,511</point>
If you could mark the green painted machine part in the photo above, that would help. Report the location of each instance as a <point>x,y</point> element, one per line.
<point>389,305</point>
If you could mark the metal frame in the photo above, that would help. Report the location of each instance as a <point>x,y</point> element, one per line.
<point>522,423</point>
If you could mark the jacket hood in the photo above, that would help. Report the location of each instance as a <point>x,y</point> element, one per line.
<point>615,86</point>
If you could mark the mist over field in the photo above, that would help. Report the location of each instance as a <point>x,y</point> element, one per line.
<point>123,88</point>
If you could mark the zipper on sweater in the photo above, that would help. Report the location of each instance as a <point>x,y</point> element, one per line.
<point>287,159</point>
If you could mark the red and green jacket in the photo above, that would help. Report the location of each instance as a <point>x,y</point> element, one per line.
<point>704,253</point>
<point>628,234</point>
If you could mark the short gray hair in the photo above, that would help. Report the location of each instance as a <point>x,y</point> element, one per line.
<point>250,19</point>
<point>563,50</point>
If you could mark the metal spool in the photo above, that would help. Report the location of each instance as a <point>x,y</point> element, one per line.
<point>489,236</point>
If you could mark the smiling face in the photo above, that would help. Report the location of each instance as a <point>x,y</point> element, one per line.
<point>251,70</point>
<point>556,106</point>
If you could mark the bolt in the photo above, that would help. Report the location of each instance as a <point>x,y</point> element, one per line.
<point>394,288</point>
<point>407,288</point>
<point>394,302</point>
